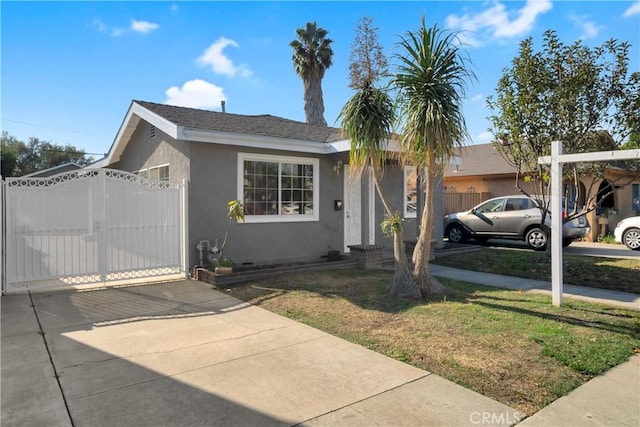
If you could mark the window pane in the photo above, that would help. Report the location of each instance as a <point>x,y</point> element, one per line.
<point>272,188</point>
<point>257,182</point>
<point>410,191</point>
<point>153,174</point>
<point>163,173</point>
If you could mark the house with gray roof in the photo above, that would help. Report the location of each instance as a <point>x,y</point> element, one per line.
<point>293,178</point>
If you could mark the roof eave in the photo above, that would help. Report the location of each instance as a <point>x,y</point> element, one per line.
<point>254,141</point>
<point>128,127</point>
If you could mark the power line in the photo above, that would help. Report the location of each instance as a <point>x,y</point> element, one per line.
<point>48,127</point>
<point>72,152</point>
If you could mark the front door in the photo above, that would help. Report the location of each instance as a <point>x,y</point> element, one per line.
<point>352,210</point>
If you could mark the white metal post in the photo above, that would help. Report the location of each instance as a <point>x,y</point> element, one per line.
<point>556,224</point>
<point>3,255</point>
<point>184,226</point>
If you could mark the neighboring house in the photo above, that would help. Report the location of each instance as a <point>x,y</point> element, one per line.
<point>479,170</point>
<point>292,178</point>
<point>65,167</point>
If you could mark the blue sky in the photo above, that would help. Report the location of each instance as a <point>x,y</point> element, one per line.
<point>69,70</point>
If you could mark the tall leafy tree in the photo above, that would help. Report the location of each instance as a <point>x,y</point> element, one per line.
<point>367,119</point>
<point>582,96</point>
<point>431,79</point>
<point>20,158</point>
<point>9,152</point>
<point>312,55</point>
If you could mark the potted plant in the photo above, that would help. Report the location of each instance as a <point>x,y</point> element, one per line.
<point>235,210</point>
<point>223,265</point>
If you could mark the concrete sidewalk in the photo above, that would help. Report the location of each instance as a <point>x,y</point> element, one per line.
<point>181,353</point>
<point>612,399</point>
<point>602,296</point>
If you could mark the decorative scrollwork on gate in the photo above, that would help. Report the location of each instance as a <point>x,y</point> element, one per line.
<point>87,174</point>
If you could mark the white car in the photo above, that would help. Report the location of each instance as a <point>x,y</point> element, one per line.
<point>628,232</point>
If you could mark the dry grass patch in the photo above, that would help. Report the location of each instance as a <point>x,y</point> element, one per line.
<point>511,346</point>
<point>604,273</point>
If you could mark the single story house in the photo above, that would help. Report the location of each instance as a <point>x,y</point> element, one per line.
<point>480,171</point>
<point>292,177</point>
<point>55,170</point>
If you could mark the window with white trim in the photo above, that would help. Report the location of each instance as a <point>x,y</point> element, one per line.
<point>410,192</point>
<point>278,188</point>
<point>156,173</point>
<point>635,198</point>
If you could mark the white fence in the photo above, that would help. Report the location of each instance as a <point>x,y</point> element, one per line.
<point>91,226</point>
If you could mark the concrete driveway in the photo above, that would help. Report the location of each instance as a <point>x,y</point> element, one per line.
<point>180,353</point>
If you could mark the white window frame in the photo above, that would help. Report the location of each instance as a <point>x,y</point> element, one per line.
<point>146,173</point>
<point>406,172</point>
<point>315,216</point>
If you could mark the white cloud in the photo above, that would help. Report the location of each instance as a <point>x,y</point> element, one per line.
<point>174,8</point>
<point>634,9</point>
<point>498,22</point>
<point>99,25</point>
<point>484,137</point>
<point>221,64</point>
<point>589,28</point>
<point>143,26</point>
<point>195,93</point>
<point>478,97</point>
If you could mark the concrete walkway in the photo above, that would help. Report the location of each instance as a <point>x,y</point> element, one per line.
<point>179,353</point>
<point>612,298</point>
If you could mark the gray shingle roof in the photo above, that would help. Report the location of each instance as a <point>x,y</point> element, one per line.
<point>264,125</point>
<point>480,159</point>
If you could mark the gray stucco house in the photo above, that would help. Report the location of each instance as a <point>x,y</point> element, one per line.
<point>292,177</point>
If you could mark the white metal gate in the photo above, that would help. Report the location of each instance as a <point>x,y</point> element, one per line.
<point>91,226</point>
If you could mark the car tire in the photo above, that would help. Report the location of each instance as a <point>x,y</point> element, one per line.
<point>536,238</point>
<point>456,234</point>
<point>631,239</point>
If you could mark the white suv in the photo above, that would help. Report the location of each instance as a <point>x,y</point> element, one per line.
<point>628,232</point>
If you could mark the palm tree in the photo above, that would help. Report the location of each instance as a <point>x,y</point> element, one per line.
<point>431,80</point>
<point>312,55</point>
<point>367,120</point>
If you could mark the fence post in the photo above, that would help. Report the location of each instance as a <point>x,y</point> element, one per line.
<point>3,246</point>
<point>184,229</point>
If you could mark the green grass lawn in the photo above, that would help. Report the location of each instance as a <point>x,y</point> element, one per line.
<point>605,273</point>
<point>512,346</point>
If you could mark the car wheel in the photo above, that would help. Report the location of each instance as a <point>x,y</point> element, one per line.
<point>631,238</point>
<point>536,239</point>
<point>456,234</point>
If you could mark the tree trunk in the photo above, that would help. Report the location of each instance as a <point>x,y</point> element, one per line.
<point>313,100</point>
<point>428,285</point>
<point>403,283</point>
